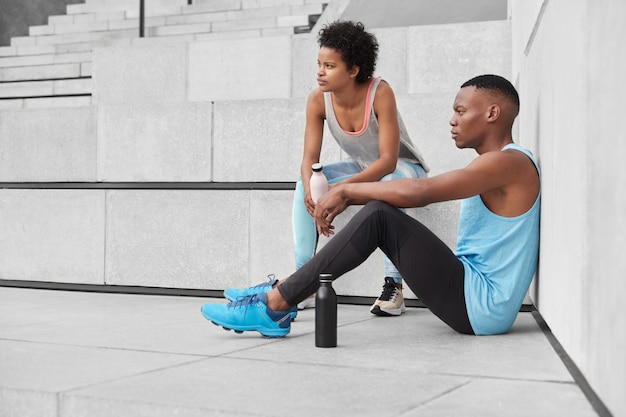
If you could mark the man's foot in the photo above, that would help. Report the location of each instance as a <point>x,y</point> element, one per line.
<point>234,294</point>
<point>390,302</point>
<point>247,314</point>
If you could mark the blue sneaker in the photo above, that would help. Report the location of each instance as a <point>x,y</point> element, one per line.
<point>249,313</point>
<point>234,294</point>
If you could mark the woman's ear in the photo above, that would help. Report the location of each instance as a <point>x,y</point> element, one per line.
<point>354,71</point>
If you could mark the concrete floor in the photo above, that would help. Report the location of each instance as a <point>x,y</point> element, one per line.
<point>72,354</point>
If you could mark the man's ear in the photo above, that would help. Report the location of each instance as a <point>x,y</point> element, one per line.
<point>494,113</point>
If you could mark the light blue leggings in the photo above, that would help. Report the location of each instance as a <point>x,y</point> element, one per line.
<point>304,229</point>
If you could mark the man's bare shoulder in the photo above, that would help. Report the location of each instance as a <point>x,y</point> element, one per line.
<point>511,179</point>
<point>507,159</point>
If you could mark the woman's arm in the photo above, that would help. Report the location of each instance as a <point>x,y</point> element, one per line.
<point>313,133</point>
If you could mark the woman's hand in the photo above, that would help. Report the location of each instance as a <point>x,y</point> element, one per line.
<point>308,203</point>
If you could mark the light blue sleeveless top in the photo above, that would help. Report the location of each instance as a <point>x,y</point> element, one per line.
<point>362,147</point>
<point>500,258</point>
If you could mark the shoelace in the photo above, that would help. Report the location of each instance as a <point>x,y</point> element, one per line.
<point>389,291</point>
<point>244,301</point>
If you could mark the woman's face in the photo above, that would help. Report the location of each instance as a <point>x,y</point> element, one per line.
<point>332,72</point>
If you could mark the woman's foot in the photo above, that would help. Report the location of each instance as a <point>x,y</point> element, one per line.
<point>391,301</point>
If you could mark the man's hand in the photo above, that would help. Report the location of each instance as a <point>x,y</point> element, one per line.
<point>308,201</point>
<point>329,206</point>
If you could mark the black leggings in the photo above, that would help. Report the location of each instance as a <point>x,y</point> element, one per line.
<point>426,264</point>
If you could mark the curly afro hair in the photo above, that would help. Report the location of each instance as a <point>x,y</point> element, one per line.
<point>356,46</point>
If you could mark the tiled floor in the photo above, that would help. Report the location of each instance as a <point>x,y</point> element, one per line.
<point>73,354</point>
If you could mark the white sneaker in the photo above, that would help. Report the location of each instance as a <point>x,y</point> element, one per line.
<point>307,303</point>
<point>390,302</point>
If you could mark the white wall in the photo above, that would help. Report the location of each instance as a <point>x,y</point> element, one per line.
<point>569,64</point>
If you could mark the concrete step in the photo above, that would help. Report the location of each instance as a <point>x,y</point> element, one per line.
<point>129,7</point>
<point>46,88</point>
<point>271,3</point>
<point>68,28</point>
<point>72,38</point>
<point>70,48</point>
<point>8,51</point>
<point>45,102</point>
<point>13,51</point>
<point>41,72</point>
<point>243,34</point>
<point>56,58</point>
<point>197,17</point>
<point>192,129</point>
<point>68,19</point>
<point>266,17</point>
<point>165,40</point>
<point>92,28</point>
<point>235,25</point>
<point>223,5</point>
<point>170,38</point>
<point>45,59</point>
<point>200,6</point>
<point>95,26</point>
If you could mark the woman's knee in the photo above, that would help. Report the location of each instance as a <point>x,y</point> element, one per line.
<point>299,191</point>
<point>405,170</point>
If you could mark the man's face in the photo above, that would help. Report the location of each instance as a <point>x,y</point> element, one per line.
<point>471,110</point>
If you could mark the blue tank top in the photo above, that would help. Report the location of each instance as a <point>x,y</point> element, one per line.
<point>500,258</point>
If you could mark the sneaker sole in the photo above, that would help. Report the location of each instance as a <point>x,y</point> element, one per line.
<point>383,312</point>
<point>269,333</point>
<point>265,331</point>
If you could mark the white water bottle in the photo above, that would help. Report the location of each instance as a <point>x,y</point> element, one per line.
<point>319,183</point>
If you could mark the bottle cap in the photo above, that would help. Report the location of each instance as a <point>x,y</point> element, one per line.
<point>317,167</point>
<point>326,277</point>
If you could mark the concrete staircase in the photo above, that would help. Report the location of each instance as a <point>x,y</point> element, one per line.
<point>55,60</point>
<point>169,161</point>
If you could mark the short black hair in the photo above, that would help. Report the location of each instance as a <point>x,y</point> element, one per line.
<point>496,84</point>
<point>357,46</point>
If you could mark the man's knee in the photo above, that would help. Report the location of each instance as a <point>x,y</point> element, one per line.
<point>377,205</point>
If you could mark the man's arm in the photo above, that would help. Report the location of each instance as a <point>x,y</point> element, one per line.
<point>496,173</point>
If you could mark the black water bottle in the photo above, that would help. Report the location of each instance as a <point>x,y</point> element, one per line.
<point>326,313</point>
